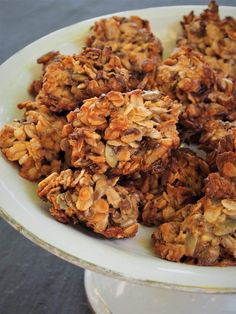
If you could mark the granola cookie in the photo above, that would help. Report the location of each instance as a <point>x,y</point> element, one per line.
<point>205,236</point>
<point>187,77</point>
<point>182,182</point>
<point>94,200</point>
<point>214,37</point>
<point>224,156</point>
<point>214,132</point>
<point>133,42</point>
<point>67,80</point>
<point>122,133</point>
<point>34,141</point>
<point>220,187</point>
<point>45,59</point>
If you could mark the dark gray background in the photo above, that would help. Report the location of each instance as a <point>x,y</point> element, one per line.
<point>32,280</point>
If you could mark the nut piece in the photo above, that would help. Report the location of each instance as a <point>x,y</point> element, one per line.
<point>34,142</point>
<point>204,236</point>
<point>96,201</point>
<point>125,136</point>
<point>132,41</point>
<point>67,80</point>
<point>215,38</point>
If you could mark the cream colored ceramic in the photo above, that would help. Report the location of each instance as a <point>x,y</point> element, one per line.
<point>107,295</point>
<point>130,259</point>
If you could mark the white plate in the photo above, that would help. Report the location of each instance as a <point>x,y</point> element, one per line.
<point>130,259</point>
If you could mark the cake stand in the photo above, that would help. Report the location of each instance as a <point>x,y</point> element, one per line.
<point>124,275</point>
<point>109,295</point>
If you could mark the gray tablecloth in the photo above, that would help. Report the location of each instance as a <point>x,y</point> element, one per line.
<point>32,280</point>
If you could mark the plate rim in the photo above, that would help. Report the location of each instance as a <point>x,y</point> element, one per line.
<point>77,261</point>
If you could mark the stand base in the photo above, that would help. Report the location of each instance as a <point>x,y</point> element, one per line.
<point>108,295</point>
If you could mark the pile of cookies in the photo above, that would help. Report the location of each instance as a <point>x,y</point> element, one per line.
<point>107,129</point>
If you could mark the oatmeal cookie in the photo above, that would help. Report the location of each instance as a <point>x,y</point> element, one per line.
<point>45,59</point>
<point>225,155</point>
<point>226,164</point>
<point>220,187</point>
<point>133,42</point>
<point>187,77</point>
<point>67,80</point>
<point>34,141</point>
<point>94,200</point>
<point>122,133</point>
<point>205,236</point>
<point>204,233</point>
<point>215,133</point>
<point>214,37</point>
<point>182,182</point>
